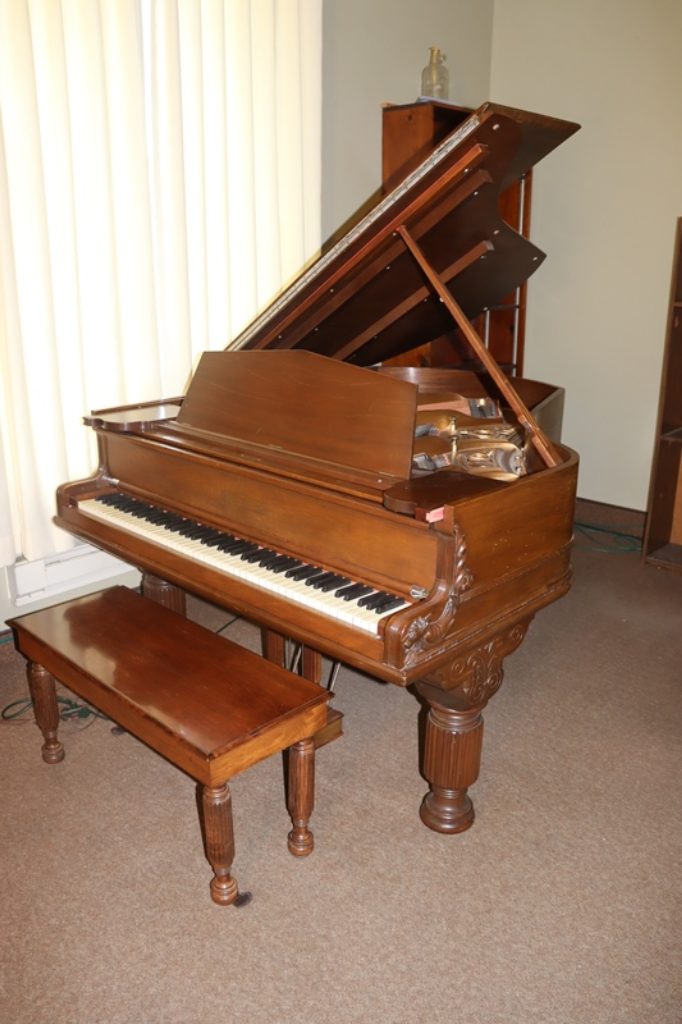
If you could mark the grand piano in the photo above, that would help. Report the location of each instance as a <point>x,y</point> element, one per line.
<point>406,522</point>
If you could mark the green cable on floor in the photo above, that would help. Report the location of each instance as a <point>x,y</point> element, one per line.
<point>622,543</point>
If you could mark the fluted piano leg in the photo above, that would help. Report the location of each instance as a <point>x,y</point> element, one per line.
<point>167,594</point>
<point>457,692</point>
<point>452,760</point>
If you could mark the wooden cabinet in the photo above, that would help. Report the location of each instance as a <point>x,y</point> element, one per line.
<point>663,533</point>
<point>409,134</point>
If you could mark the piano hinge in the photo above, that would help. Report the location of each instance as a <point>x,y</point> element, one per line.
<point>418,593</point>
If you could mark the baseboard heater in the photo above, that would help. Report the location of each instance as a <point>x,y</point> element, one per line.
<point>62,573</point>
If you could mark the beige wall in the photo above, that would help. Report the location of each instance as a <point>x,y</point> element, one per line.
<point>604,205</point>
<point>604,210</point>
<point>373,53</point>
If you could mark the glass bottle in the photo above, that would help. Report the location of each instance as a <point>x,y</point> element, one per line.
<point>435,78</point>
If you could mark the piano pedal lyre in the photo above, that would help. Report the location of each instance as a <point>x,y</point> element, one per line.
<point>295,663</point>
<point>334,726</point>
<point>331,685</point>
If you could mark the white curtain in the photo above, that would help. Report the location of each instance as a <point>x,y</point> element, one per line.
<point>159,182</point>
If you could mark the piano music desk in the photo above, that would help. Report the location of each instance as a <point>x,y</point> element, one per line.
<point>208,705</point>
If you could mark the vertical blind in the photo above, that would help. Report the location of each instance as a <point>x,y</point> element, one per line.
<point>159,182</point>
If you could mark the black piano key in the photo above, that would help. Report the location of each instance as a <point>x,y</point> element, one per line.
<point>175,524</point>
<point>160,517</point>
<point>212,536</point>
<point>384,606</point>
<point>267,561</point>
<point>118,501</point>
<point>304,573</point>
<point>255,555</point>
<point>225,543</point>
<point>352,592</point>
<point>328,585</point>
<point>201,532</point>
<point>286,562</point>
<point>191,530</point>
<point>140,510</point>
<point>207,533</point>
<point>218,539</point>
<point>372,599</point>
<point>320,578</point>
<point>236,546</point>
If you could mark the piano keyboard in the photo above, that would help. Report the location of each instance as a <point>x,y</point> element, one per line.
<point>326,592</point>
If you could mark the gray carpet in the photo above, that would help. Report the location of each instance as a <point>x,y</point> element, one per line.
<point>560,906</point>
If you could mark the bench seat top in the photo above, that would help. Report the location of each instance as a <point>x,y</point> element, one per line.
<point>209,705</point>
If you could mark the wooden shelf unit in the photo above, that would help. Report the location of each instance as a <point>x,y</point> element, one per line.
<point>663,533</point>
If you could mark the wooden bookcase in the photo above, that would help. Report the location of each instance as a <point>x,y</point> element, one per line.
<point>663,532</point>
<point>409,134</point>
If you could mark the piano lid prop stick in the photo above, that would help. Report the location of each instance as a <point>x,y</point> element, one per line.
<point>539,439</point>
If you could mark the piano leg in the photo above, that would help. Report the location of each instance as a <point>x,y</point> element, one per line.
<point>452,760</point>
<point>457,694</point>
<point>164,593</point>
<point>274,649</point>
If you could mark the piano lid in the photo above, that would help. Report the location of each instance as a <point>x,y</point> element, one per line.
<point>368,299</point>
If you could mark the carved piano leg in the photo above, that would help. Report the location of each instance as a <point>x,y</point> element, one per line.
<point>46,709</point>
<point>164,593</point>
<point>301,796</point>
<point>452,759</point>
<point>457,694</point>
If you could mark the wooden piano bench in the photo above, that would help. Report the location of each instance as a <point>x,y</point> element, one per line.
<point>206,704</point>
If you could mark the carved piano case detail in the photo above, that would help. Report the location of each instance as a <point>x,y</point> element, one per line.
<point>288,484</point>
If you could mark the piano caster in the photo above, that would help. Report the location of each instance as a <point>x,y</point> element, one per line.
<point>447,810</point>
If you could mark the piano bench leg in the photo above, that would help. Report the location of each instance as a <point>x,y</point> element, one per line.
<point>46,709</point>
<point>452,759</point>
<point>301,795</point>
<point>217,808</point>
